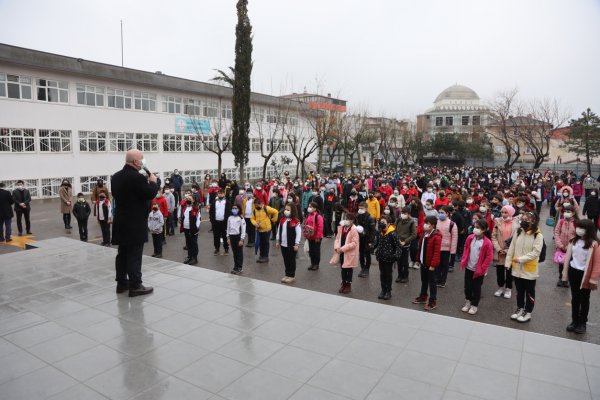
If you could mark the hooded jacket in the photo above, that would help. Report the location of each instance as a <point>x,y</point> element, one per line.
<point>387,247</point>
<point>485,256</point>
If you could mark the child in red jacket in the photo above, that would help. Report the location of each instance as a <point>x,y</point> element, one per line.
<point>428,254</point>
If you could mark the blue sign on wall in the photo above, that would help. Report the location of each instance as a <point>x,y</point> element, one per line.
<point>192,125</point>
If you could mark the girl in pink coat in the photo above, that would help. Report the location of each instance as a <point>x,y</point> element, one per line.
<point>563,233</point>
<point>477,258</point>
<point>347,246</point>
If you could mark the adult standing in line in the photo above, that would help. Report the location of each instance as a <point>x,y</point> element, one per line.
<point>66,195</point>
<point>22,199</point>
<point>177,184</point>
<point>132,193</point>
<point>6,214</point>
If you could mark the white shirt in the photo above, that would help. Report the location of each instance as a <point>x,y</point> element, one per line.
<point>236,225</point>
<point>186,218</point>
<point>580,255</point>
<point>426,196</point>
<point>283,234</point>
<point>220,209</point>
<point>422,256</point>
<point>248,211</point>
<point>476,245</point>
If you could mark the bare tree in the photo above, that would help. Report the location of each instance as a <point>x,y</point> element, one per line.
<point>502,109</point>
<point>543,116</point>
<point>271,133</point>
<point>214,133</point>
<point>303,145</point>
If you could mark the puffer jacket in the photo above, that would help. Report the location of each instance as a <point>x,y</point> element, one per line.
<point>406,230</point>
<point>387,247</point>
<point>563,233</point>
<point>449,232</point>
<point>561,199</point>
<point>526,248</point>
<point>499,241</point>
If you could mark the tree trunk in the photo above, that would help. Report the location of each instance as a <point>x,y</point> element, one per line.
<point>219,163</point>
<point>320,160</point>
<point>265,163</point>
<point>242,171</point>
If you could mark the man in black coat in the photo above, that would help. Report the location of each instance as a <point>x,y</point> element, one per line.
<point>132,193</point>
<point>6,214</point>
<point>22,200</point>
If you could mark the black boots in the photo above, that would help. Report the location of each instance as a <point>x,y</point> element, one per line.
<point>364,273</point>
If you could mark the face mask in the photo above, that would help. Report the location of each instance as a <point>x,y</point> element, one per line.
<point>404,216</point>
<point>102,198</point>
<point>592,193</point>
<point>580,232</point>
<point>392,204</point>
<point>322,190</point>
<point>520,205</point>
<point>259,207</point>
<point>427,227</point>
<point>145,164</point>
<point>473,221</point>
<point>483,209</point>
<point>259,188</point>
<point>361,211</point>
<point>100,184</point>
<point>81,199</point>
<point>429,190</point>
<point>220,197</point>
<point>287,213</point>
<point>405,187</point>
<point>428,207</point>
<point>188,202</point>
<point>157,196</point>
<point>235,211</point>
<point>386,212</point>
<point>289,200</point>
<point>296,185</point>
<point>525,225</point>
<point>566,194</point>
<point>477,231</point>
<point>249,195</point>
<point>370,196</point>
<point>566,204</point>
<point>442,194</point>
<point>396,193</point>
<point>353,197</point>
<point>343,222</point>
<point>383,226</point>
<point>568,215</point>
<point>310,209</point>
<point>442,216</point>
<point>20,187</point>
<point>241,192</point>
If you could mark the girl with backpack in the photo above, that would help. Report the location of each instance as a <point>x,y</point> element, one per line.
<point>522,257</point>
<point>583,269</point>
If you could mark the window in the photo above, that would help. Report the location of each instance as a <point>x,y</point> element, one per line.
<point>275,117</point>
<point>17,87</point>
<point>192,107</point>
<point>171,104</point>
<point>30,184</point>
<point>465,120</point>
<point>118,98</point>
<point>294,121</point>
<point>528,150</point>
<point>144,101</point>
<point>499,149</point>
<point>439,121</point>
<point>210,109</point>
<point>226,111</point>
<point>3,86</point>
<point>50,186</point>
<point>476,120</point>
<point>88,95</point>
<point>192,143</point>
<point>55,141</point>
<point>449,121</point>
<point>92,141</point>
<point>210,144</point>
<point>283,147</point>
<point>146,141</point>
<point>52,91</point>
<point>172,143</point>
<point>255,144</point>
<point>120,141</point>
<point>89,182</point>
<point>258,115</point>
<point>14,140</point>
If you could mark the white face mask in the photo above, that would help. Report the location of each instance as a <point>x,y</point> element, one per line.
<point>386,212</point>
<point>580,232</point>
<point>392,204</point>
<point>343,222</point>
<point>593,193</point>
<point>565,194</point>
<point>426,227</point>
<point>361,211</point>
<point>483,209</point>
<point>568,215</point>
<point>310,209</point>
<point>469,201</point>
<point>404,216</point>
<point>287,213</point>
<point>477,231</point>
<point>429,190</point>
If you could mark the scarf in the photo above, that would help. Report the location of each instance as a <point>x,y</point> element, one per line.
<point>100,205</point>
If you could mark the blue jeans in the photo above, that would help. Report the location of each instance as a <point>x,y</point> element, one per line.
<point>5,229</point>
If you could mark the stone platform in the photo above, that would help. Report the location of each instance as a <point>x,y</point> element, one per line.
<point>66,334</point>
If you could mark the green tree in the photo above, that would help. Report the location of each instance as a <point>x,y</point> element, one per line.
<point>584,137</point>
<point>240,102</point>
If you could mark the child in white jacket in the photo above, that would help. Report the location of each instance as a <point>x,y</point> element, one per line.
<point>156,223</point>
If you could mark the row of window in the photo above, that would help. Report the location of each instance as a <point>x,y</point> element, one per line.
<point>466,120</point>
<point>15,140</point>
<point>53,91</point>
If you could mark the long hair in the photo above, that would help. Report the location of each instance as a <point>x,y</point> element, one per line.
<point>590,235</point>
<point>293,210</point>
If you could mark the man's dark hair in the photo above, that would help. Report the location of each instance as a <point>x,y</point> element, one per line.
<point>20,181</point>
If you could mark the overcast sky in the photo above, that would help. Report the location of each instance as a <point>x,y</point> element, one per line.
<point>389,57</point>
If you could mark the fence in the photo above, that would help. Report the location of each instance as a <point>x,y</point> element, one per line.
<point>578,168</point>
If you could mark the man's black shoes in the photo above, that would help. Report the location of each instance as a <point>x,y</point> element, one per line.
<point>140,291</point>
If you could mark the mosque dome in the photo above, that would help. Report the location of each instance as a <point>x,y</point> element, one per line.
<point>457,92</point>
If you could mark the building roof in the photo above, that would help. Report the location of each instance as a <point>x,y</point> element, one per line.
<point>560,133</point>
<point>85,68</point>
<point>457,92</point>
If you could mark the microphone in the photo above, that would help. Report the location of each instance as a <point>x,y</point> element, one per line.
<point>147,171</point>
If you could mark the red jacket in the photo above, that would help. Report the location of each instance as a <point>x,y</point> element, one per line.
<point>386,191</point>
<point>162,205</point>
<point>484,261</point>
<point>316,221</point>
<point>433,250</point>
<point>262,195</point>
<point>441,202</point>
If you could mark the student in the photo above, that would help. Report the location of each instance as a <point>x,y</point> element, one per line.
<point>564,232</point>
<point>163,206</point>
<point>387,252</point>
<point>504,231</point>
<point>346,245</point>
<point>262,218</point>
<point>172,209</point>
<point>313,232</point>
<point>429,210</point>
<point>276,202</point>
<point>366,229</point>
<point>289,234</point>
<point>189,219</point>
<point>406,231</point>
<point>219,213</point>
<point>81,212</point>
<point>247,209</point>
<point>449,232</point>
<point>428,253</point>
<point>156,223</point>
<point>477,257</point>
<point>583,260</point>
<point>591,207</point>
<point>103,211</point>
<point>236,233</point>
<point>522,256</point>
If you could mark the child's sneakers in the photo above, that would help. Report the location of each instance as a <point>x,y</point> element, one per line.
<point>472,310</point>
<point>420,300</point>
<point>236,271</point>
<point>507,294</point>
<point>499,292</point>
<point>432,305</point>
<point>524,317</point>
<point>517,314</point>
<point>466,307</point>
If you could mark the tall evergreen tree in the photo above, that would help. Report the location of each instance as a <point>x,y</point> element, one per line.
<point>584,137</point>
<point>240,103</point>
